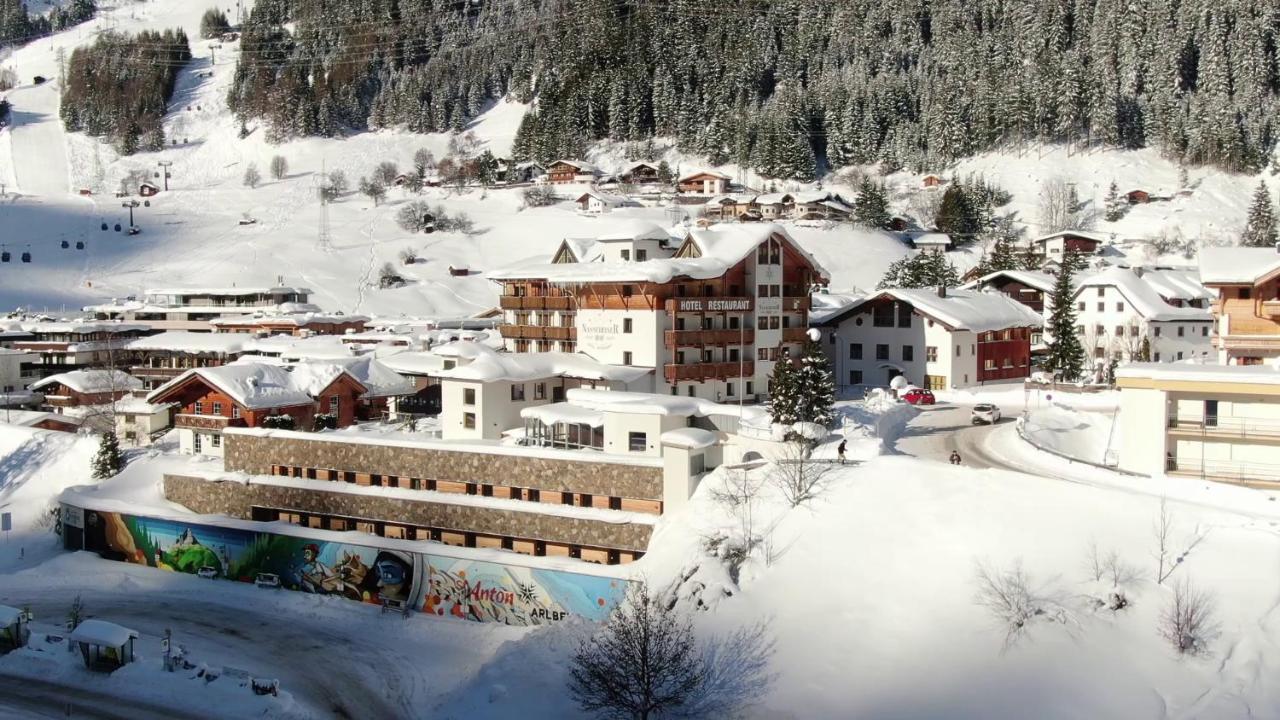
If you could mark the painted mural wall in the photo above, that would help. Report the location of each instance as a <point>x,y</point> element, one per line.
<point>436,585</point>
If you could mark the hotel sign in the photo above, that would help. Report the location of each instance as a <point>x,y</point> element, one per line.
<point>713,305</point>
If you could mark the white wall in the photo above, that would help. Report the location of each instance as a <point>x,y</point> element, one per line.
<point>959,370</point>
<point>1118,312</point>
<point>601,336</point>
<point>11,370</point>
<point>1143,421</point>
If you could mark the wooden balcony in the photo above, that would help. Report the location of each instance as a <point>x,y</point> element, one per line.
<point>156,372</point>
<point>538,332</point>
<point>710,305</point>
<point>511,302</point>
<point>206,422</point>
<point>1271,308</point>
<point>795,335</point>
<point>796,303</point>
<point>708,371</point>
<point>700,338</point>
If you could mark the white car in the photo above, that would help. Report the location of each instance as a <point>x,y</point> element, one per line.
<point>985,414</point>
<point>208,572</point>
<point>267,580</point>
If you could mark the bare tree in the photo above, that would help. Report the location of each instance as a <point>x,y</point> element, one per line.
<point>373,189</point>
<point>1189,621</point>
<point>1060,207</point>
<point>386,172</point>
<point>1094,561</point>
<point>539,196</point>
<point>279,167</point>
<point>646,663</point>
<point>1161,531</point>
<point>1010,597</point>
<point>924,205</point>
<point>1119,571</point>
<point>797,476</point>
<point>423,162</point>
<point>338,183</point>
<point>251,176</point>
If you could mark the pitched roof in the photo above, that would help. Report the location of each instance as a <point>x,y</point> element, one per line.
<point>92,381</point>
<point>1237,265</point>
<point>192,342</point>
<point>257,385</point>
<point>712,173</point>
<point>583,167</point>
<point>1097,237</point>
<point>1041,281</point>
<point>1141,296</point>
<point>974,310</point>
<point>488,364</point>
<point>1180,284</point>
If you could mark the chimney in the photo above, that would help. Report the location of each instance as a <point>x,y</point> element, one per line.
<point>942,291</point>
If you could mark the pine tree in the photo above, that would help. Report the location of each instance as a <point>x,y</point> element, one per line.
<point>815,386</point>
<point>783,394</point>
<point>1030,259</point>
<point>872,206</point>
<point>1116,207</point>
<point>108,462</point>
<point>956,216</point>
<point>1004,254</point>
<point>1066,355</point>
<point>1261,229</point>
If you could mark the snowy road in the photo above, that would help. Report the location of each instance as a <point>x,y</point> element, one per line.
<point>24,697</point>
<point>943,428</point>
<point>38,144</point>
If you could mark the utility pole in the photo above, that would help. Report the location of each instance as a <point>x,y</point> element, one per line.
<point>131,204</point>
<point>324,239</point>
<point>165,165</point>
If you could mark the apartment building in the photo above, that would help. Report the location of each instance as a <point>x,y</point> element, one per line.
<point>1246,306</point>
<point>709,313</point>
<point>1213,422</point>
<point>157,359</point>
<point>16,371</point>
<point>301,324</point>
<point>193,308</point>
<point>61,347</point>
<point>1125,314</point>
<point>938,339</point>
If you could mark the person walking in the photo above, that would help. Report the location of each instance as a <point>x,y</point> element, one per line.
<point>840,450</point>
<point>955,457</point>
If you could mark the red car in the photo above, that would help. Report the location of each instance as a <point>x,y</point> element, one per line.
<point>918,396</point>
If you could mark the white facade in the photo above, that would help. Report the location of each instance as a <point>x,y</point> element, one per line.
<point>1118,314</point>
<point>623,337</point>
<point>13,378</point>
<point>199,442</point>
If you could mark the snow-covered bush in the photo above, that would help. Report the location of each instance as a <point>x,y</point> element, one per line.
<point>1189,622</point>
<point>389,278</point>
<point>279,167</point>
<point>416,217</point>
<point>1014,602</point>
<point>539,196</point>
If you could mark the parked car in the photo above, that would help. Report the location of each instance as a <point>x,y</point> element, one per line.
<point>918,396</point>
<point>208,572</point>
<point>985,414</point>
<point>267,580</point>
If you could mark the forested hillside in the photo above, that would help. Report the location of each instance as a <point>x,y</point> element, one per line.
<point>18,26</point>
<point>784,87</point>
<point>119,87</point>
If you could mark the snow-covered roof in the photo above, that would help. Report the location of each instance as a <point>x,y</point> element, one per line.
<point>250,384</point>
<point>291,347</point>
<point>192,342</point>
<point>83,328</point>
<point>1179,284</point>
<point>721,247</point>
<point>101,632</point>
<point>1141,296</point>
<point>633,229</point>
<point>973,310</point>
<point>653,404</point>
<point>607,198</point>
<point>1041,281</point>
<point>564,412</point>
<point>92,381</point>
<point>711,173</point>
<point>139,406</point>
<point>286,319</point>
<point>10,615</point>
<point>378,379</point>
<point>689,438</point>
<point>583,167</point>
<point>1247,374</point>
<point>1097,237</point>
<point>31,418</point>
<point>635,166</point>
<point>490,365</point>
<point>414,363</point>
<point>230,291</point>
<point>1237,265</point>
<point>932,239</point>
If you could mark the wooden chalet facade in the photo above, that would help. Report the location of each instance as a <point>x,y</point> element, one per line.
<point>707,182</point>
<point>561,172</point>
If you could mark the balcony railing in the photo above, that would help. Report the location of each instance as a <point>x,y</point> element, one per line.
<point>512,302</point>
<point>156,372</point>
<point>1271,308</point>
<point>699,338</point>
<point>795,335</point>
<point>1253,474</point>
<point>206,422</point>
<point>708,371</point>
<point>710,304</point>
<point>538,332</point>
<point>1225,427</point>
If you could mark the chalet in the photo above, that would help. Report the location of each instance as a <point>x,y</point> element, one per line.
<point>1130,314</point>
<point>639,173</point>
<point>709,314</point>
<point>146,189</point>
<point>774,206</point>
<point>1031,288</point>
<point>140,423</point>
<point>931,181</point>
<point>732,207</point>
<point>594,202</point>
<point>899,223</point>
<point>820,206</point>
<point>80,388</point>
<point>160,358</point>
<point>524,172</point>
<point>1055,246</point>
<point>1246,285</point>
<point>299,324</point>
<point>1138,197</point>
<point>561,172</point>
<point>938,339</point>
<point>310,396</point>
<point>704,182</point>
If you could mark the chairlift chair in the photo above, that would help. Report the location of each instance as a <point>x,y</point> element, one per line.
<point>4,256</point>
<point>79,244</point>
<point>104,227</point>
<point>26,257</point>
<point>117,227</point>
<point>65,244</point>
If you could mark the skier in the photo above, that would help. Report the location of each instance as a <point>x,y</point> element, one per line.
<point>955,457</point>
<point>840,450</point>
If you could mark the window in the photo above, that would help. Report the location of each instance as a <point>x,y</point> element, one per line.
<point>882,352</point>
<point>761,354</point>
<point>1102,292</point>
<point>1099,330</point>
<point>626,254</point>
<point>215,440</point>
<point>762,291</point>
<point>957,351</point>
<point>1156,357</point>
<point>1080,330</point>
<point>855,377</point>
<point>626,325</point>
<point>908,353</point>
<point>1119,307</point>
<point>882,316</point>
<point>1157,330</point>
<point>1210,413</point>
<point>199,409</point>
<point>775,322</point>
<point>1080,306</point>
<point>1246,293</point>
<point>904,315</point>
<point>626,358</point>
<point>195,442</point>
<point>642,255</point>
<point>1119,331</point>
<point>638,441</point>
<point>931,353</point>
<point>469,421</point>
<point>988,364</point>
<point>1179,354</point>
<point>217,408</point>
<point>627,291</point>
<point>751,387</point>
<point>335,403</point>
<point>728,389</point>
<point>1181,331</point>
<point>235,411</point>
<point>540,391</point>
<point>517,392</point>
<point>1102,307</point>
<point>855,351</point>
<point>469,396</point>
<point>1204,331</point>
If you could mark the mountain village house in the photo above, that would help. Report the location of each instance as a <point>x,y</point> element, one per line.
<point>193,308</point>
<point>16,372</point>
<point>295,323</point>
<point>1122,312</point>
<point>1246,282</point>
<point>814,205</point>
<point>562,172</point>
<point>594,202</point>
<point>705,182</point>
<point>81,388</point>
<point>1055,246</point>
<point>638,173</point>
<point>157,359</point>
<point>938,339</point>
<point>709,313</point>
<point>65,346</point>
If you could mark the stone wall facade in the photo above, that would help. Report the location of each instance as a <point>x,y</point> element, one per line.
<point>237,499</point>
<point>256,454</point>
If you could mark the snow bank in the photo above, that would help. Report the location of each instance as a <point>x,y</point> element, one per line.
<point>1089,437</point>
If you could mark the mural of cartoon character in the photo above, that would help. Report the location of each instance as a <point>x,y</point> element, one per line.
<point>314,576</point>
<point>391,579</point>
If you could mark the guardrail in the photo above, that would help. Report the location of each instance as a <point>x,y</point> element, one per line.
<point>1022,433</point>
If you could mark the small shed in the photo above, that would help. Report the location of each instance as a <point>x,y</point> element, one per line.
<point>931,180</point>
<point>104,645</point>
<point>935,241</point>
<point>147,189</point>
<point>1138,197</point>
<point>13,629</point>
